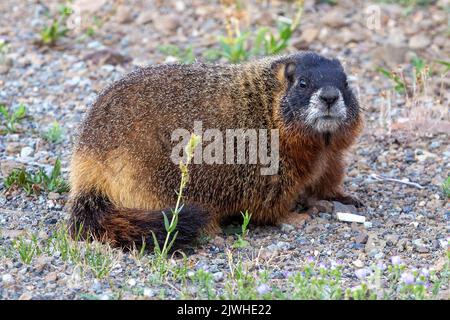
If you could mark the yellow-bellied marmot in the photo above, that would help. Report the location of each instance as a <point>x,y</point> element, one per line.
<point>122,176</point>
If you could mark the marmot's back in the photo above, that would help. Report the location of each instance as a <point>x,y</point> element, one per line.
<point>159,99</point>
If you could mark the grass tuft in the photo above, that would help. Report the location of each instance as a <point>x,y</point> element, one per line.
<point>36,182</point>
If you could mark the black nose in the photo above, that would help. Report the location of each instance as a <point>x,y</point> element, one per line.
<point>329,95</point>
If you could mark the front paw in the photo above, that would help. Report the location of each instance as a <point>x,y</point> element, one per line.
<point>349,200</point>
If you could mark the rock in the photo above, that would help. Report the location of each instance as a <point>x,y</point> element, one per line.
<point>324,206</point>
<point>374,245</point>
<point>420,247</point>
<point>218,276</point>
<point>26,152</point>
<point>11,234</point>
<point>4,68</point>
<point>145,17</point>
<point>7,166</point>
<point>107,57</point>
<point>434,145</point>
<point>13,148</point>
<point>282,245</point>
<point>25,296</point>
<point>419,41</point>
<point>361,238</point>
<point>350,217</point>
<point>346,35</point>
<point>334,19</point>
<point>131,282</point>
<point>306,38</point>
<point>396,38</point>
<point>402,244</point>
<point>358,263</point>
<point>88,6</point>
<point>392,239</point>
<point>53,196</point>
<point>7,279</point>
<point>218,241</point>
<point>340,207</point>
<point>312,211</point>
<point>148,293</point>
<point>42,262</point>
<point>325,216</point>
<point>286,227</point>
<point>367,224</point>
<point>166,24</point>
<point>124,14</point>
<point>51,277</point>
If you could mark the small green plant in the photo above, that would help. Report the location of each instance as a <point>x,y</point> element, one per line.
<point>4,48</point>
<point>446,64</point>
<point>410,3</point>
<point>50,34</point>
<point>100,259</point>
<point>27,248</point>
<point>446,187</point>
<point>12,117</point>
<point>399,83</point>
<point>56,30</point>
<point>68,248</point>
<point>204,281</point>
<point>186,56</point>
<point>54,134</point>
<point>34,183</point>
<point>239,46</point>
<point>241,241</point>
<point>162,252</point>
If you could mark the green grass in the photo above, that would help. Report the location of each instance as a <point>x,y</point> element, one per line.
<point>36,182</point>
<point>399,83</point>
<point>54,134</point>
<point>446,187</point>
<point>4,49</point>
<point>241,241</point>
<point>10,118</point>
<point>51,33</point>
<point>404,82</point>
<point>185,56</point>
<point>27,248</point>
<point>242,278</point>
<point>238,46</point>
<point>410,3</point>
<point>100,259</point>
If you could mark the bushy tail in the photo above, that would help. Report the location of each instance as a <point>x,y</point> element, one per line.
<point>93,215</point>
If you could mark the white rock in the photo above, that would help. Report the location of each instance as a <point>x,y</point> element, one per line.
<point>149,293</point>
<point>26,152</point>
<point>7,278</point>
<point>131,282</point>
<point>349,217</point>
<point>358,263</point>
<point>218,276</point>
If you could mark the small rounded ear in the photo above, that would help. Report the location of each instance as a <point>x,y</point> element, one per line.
<point>284,71</point>
<point>289,71</point>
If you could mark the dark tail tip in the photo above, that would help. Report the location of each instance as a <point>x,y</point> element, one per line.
<point>94,216</point>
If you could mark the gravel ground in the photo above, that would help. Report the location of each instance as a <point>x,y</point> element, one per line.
<point>58,83</point>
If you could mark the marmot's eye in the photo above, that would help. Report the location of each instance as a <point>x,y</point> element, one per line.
<point>302,83</point>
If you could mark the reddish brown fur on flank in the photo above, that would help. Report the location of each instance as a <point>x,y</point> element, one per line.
<point>122,175</point>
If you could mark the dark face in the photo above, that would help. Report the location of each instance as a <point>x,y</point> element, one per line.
<point>318,95</point>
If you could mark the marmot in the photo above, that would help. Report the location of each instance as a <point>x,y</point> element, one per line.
<point>122,176</point>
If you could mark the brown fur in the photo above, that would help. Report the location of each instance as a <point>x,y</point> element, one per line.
<point>123,151</point>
